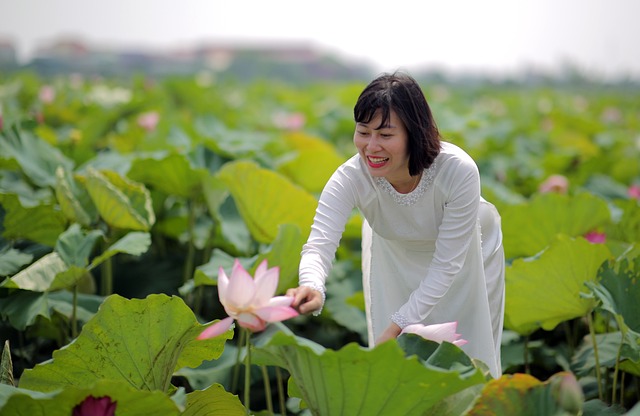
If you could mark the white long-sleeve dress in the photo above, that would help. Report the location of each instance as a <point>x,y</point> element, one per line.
<point>433,255</point>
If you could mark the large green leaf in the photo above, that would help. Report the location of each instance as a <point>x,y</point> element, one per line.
<point>544,291</point>
<point>213,400</point>
<point>172,174</point>
<point>41,223</point>
<point>12,260</point>
<point>619,291</point>
<point>312,162</point>
<point>75,246</point>
<point>134,243</point>
<point>37,158</point>
<point>140,342</point>
<point>266,199</point>
<point>74,200</point>
<point>130,401</point>
<point>359,381</point>
<point>524,395</point>
<point>289,240</point>
<point>530,227</point>
<point>22,308</point>
<point>39,276</point>
<point>122,203</point>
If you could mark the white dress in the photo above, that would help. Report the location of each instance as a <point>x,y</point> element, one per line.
<point>431,256</point>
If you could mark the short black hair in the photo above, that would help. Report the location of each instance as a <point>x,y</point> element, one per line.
<point>401,93</point>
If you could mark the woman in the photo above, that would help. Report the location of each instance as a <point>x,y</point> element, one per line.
<point>431,246</point>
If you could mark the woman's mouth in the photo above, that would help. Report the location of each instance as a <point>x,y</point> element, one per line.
<point>377,162</point>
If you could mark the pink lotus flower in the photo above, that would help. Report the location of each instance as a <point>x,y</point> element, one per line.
<point>634,191</point>
<point>47,94</point>
<point>554,183</point>
<point>250,301</point>
<point>148,120</point>
<point>596,237</point>
<point>437,332</point>
<point>93,406</point>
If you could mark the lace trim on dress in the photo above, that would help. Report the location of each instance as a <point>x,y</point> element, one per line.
<point>320,289</point>
<point>412,197</point>
<point>400,320</point>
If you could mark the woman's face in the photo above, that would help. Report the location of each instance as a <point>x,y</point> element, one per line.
<point>384,150</point>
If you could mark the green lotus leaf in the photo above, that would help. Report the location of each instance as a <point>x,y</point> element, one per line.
<point>121,202</point>
<point>172,174</point>
<point>619,291</point>
<point>41,223</point>
<point>213,400</point>
<point>524,395</point>
<point>39,276</point>
<point>37,158</point>
<point>134,243</point>
<point>530,227</point>
<point>313,161</point>
<point>266,199</point>
<point>359,381</point>
<point>130,401</point>
<point>74,200</point>
<point>289,240</point>
<point>546,290</point>
<point>137,342</point>
<point>612,348</point>
<point>76,246</point>
<point>12,260</point>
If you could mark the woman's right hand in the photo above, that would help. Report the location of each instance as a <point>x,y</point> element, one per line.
<point>305,299</point>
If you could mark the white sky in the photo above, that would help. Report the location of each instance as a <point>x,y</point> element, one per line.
<point>601,37</point>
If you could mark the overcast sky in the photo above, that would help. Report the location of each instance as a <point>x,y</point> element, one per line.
<point>599,36</point>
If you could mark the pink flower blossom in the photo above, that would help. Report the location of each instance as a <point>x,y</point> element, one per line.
<point>94,406</point>
<point>634,191</point>
<point>250,301</point>
<point>148,120</point>
<point>47,94</point>
<point>554,183</point>
<point>596,237</point>
<point>437,332</point>
<point>289,121</point>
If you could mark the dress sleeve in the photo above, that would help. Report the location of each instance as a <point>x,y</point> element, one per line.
<point>461,191</point>
<point>335,206</point>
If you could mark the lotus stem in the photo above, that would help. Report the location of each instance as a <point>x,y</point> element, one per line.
<point>236,368</point>
<point>615,372</point>
<point>267,389</point>
<point>527,370</point>
<point>592,332</point>
<point>191,249</point>
<point>247,371</point>
<point>283,407</point>
<point>74,316</point>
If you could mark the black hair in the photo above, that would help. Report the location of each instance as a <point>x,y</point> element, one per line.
<point>401,93</point>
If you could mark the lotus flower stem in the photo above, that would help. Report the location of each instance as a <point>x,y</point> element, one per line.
<point>74,309</point>
<point>283,407</point>
<point>592,331</point>
<point>236,368</point>
<point>267,389</point>
<point>191,250</point>
<point>615,372</point>
<point>247,369</point>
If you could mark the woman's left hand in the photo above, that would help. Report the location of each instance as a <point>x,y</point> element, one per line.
<point>392,331</point>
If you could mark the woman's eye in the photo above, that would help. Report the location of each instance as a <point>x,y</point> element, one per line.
<point>386,135</point>
<point>363,133</point>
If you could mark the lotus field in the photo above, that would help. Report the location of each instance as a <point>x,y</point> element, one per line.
<point>124,203</point>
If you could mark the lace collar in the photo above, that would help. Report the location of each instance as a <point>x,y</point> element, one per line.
<point>412,197</point>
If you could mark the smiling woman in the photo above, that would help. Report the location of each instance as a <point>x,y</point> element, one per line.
<point>431,245</point>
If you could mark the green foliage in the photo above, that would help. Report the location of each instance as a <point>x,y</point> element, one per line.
<point>89,195</point>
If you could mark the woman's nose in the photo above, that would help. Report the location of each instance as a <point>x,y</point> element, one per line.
<point>374,143</point>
